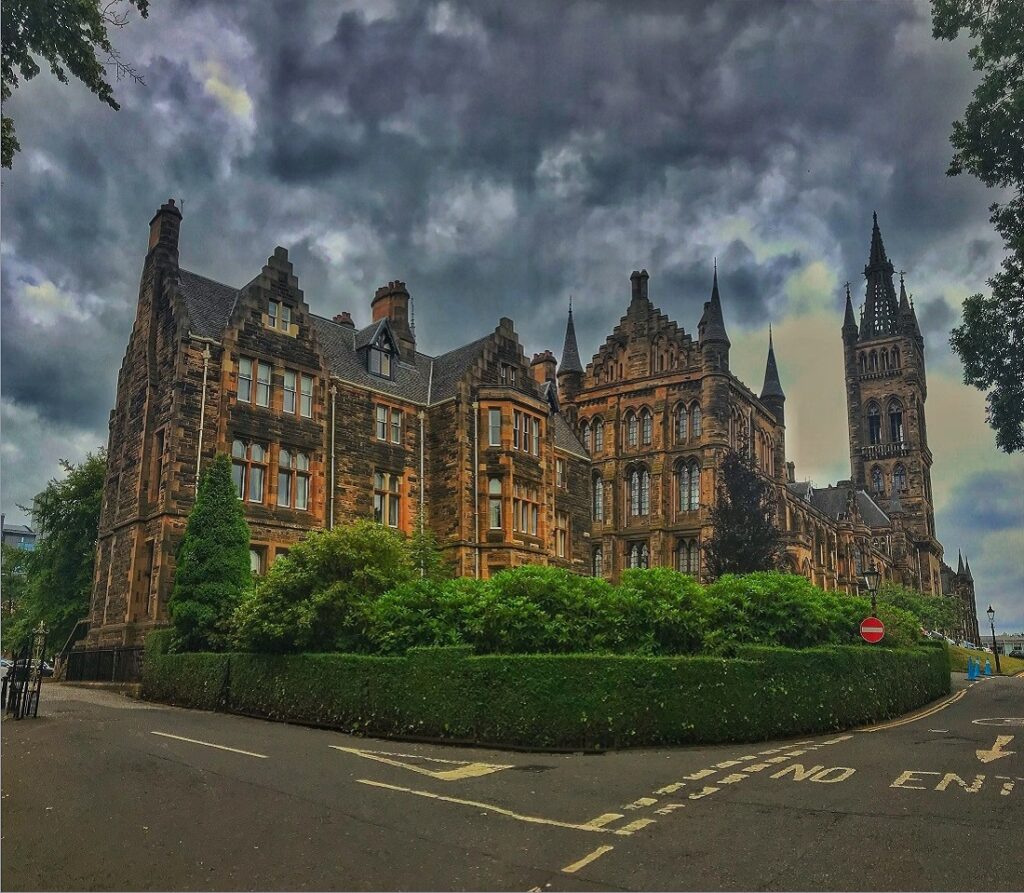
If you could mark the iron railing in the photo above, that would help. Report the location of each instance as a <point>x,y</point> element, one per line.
<point>105,665</point>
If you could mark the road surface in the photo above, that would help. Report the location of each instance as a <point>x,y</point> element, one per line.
<point>102,792</point>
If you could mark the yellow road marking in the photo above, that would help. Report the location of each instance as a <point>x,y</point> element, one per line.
<point>587,859</point>
<point>466,770</point>
<point>732,779</point>
<point>929,712</point>
<point>710,789</point>
<point>248,753</point>
<point>699,774</point>
<point>639,804</point>
<point>837,740</point>
<point>755,767</point>
<point>634,826</point>
<point>996,752</point>
<point>671,788</point>
<point>672,807</point>
<point>489,807</point>
<point>725,764</point>
<point>603,819</point>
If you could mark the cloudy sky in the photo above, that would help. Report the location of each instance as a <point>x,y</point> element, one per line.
<point>500,157</point>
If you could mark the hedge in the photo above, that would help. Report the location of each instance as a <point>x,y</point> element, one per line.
<point>562,701</point>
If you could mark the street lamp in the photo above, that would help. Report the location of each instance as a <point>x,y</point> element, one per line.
<point>871,578</point>
<point>992,621</point>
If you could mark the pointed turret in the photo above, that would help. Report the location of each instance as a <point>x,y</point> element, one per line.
<point>772,386</point>
<point>570,371</point>
<point>849,320</point>
<point>959,563</point>
<point>712,323</point>
<point>968,576</point>
<point>904,300</point>
<point>570,350</point>
<point>881,314</point>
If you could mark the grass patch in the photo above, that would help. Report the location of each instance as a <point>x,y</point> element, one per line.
<point>958,661</point>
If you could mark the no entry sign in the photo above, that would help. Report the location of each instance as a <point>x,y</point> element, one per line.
<point>872,629</point>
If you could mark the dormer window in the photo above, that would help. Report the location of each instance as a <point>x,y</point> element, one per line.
<point>279,316</point>
<point>380,356</point>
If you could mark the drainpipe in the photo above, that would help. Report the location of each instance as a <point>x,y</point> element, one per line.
<point>330,504</point>
<point>476,489</point>
<point>421,416</point>
<point>202,413</point>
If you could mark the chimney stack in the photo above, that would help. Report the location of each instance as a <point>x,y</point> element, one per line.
<point>164,228</point>
<point>344,319</point>
<point>543,367</point>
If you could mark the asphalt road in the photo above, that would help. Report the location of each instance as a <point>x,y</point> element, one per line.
<point>101,792</point>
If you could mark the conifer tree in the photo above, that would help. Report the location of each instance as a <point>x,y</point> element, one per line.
<point>745,538</point>
<point>213,570</point>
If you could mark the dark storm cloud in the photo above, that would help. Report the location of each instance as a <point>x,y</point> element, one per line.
<point>991,500</point>
<point>498,157</point>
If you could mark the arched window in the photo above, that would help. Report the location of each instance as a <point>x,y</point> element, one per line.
<point>895,358</point>
<point>646,427</point>
<point>682,423</point>
<point>896,422</point>
<point>689,486</point>
<point>873,361</point>
<point>632,430</point>
<point>863,363</point>
<point>598,499</point>
<point>688,557</point>
<point>639,492</point>
<point>874,424</point>
<point>634,493</point>
<point>585,435</point>
<point>645,492</point>
<point>598,436</point>
<point>639,555</point>
<point>899,479</point>
<point>598,566</point>
<point>877,480</point>
<point>695,420</point>
<point>885,360</point>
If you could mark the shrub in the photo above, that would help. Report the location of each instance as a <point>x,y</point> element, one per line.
<point>664,608</point>
<point>212,574</point>
<point>420,613</point>
<point>932,611</point>
<point>316,597</point>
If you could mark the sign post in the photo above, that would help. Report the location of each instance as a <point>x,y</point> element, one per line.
<point>872,630</point>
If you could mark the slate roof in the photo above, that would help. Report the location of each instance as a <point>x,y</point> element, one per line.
<point>209,304</point>
<point>570,350</point>
<point>565,437</point>
<point>831,501</point>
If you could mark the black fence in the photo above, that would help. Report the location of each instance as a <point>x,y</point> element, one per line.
<point>105,665</point>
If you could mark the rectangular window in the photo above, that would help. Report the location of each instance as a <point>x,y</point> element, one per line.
<point>256,483</point>
<point>238,476</point>
<point>396,426</point>
<point>263,384</point>
<point>273,311</point>
<point>494,426</point>
<point>560,473</point>
<point>307,396</point>
<point>244,380</point>
<point>562,534</point>
<point>494,502</point>
<point>517,421</point>
<point>286,318</point>
<point>536,436</point>
<point>289,390</point>
<point>380,362</point>
<point>284,478</point>
<point>258,560</point>
<point>387,498</point>
<point>381,423</point>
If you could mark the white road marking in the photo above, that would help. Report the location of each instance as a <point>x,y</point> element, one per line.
<point>248,753</point>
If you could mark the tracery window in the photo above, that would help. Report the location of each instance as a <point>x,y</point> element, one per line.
<point>695,421</point>
<point>689,486</point>
<point>632,430</point>
<point>646,428</point>
<point>682,423</point>
<point>896,422</point>
<point>639,555</point>
<point>899,479</point>
<point>598,499</point>
<point>598,436</point>
<point>688,557</point>
<point>874,425</point>
<point>597,567</point>
<point>639,492</point>
<point>585,435</point>
<point>877,480</point>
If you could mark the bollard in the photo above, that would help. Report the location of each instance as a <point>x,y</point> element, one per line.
<point>988,667</point>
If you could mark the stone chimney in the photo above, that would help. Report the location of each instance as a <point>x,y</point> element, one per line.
<point>392,302</point>
<point>790,472</point>
<point>543,367</point>
<point>344,319</point>
<point>164,228</point>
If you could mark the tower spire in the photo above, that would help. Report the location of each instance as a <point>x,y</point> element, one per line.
<point>712,323</point>
<point>570,350</point>
<point>772,386</point>
<point>881,314</point>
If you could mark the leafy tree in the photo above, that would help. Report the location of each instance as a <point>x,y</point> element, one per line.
<point>57,580</point>
<point>932,611</point>
<point>989,143</point>
<point>67,35</point>
<point>744,537</point>
<point>425,554</point>
<point>212,573</point>
<point>315,598</point>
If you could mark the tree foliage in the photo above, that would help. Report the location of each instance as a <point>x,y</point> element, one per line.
<point>212,574</point>
<point>70,36</point>
<point>938,612</point>
<point>56,579</point>
<point>744,536</point>
<point>315,597</point>
<point>989,143</point>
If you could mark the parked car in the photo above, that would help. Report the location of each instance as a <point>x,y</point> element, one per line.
<point>5,665</point>
<point>47,669</point>
<point>1017,651</point>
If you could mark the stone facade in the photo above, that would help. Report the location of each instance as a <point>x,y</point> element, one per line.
<point>325,424</point>
<point>508,461</point>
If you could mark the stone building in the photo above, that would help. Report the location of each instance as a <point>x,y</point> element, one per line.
<point>657,409</point>
<point>508,461</point>
<point>325,423</point>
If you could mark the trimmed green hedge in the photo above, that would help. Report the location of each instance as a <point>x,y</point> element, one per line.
<point>559,701</point>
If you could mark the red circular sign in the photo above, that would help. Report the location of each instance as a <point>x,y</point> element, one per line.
<point>872,629</point>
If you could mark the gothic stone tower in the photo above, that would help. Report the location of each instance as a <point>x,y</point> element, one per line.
<point>885,396</point>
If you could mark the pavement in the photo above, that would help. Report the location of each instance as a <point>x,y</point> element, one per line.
<point>102,792</point>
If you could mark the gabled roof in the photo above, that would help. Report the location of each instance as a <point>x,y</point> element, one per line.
<point>833,501</point>
<point>208,303</point>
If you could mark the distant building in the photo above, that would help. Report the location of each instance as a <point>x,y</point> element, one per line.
<point>19,536</point>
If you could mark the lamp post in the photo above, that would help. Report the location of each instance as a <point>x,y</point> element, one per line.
<point>992,622</point>
<point>871,578</point>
